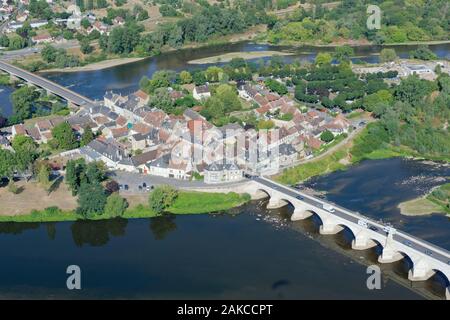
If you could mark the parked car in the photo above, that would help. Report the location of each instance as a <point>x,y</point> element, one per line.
<point>126,187</point>
<point>144,185</point>
<point>120,187</point>
<point>140,188</point>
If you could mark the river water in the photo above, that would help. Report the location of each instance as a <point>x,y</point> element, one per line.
<point>246,253</point>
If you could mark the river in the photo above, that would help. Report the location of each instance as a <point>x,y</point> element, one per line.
<point>252,254</point>
<point>125,78</point>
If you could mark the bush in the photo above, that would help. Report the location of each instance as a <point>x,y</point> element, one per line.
<point>161,198</point>
<point>115,205</point>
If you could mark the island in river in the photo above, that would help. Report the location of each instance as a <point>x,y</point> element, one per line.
<point>436,201</point>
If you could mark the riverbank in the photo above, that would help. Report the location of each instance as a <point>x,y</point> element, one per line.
<point>227,57</point>
<point>436,201</point>
<point>187,202</point>
<point>345,155</point>
<point>105,64</point>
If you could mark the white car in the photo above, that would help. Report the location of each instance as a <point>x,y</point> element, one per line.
<point>328,207</point>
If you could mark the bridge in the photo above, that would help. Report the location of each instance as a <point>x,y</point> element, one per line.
<point>49,86</point>
<point>425,258</point>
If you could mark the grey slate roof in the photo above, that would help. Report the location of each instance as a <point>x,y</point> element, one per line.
<point>221,166</point>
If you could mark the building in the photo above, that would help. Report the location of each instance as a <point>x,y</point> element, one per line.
<point>43,38</point>
<point>201,92</point>
<point>221,172</point>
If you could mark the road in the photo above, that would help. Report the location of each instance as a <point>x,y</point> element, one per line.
<point>51,86</point>
<point>406,239</point>
<point>21,53</point>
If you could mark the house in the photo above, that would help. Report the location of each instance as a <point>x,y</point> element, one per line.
<point>18,129</point>
<point>221,172</point>
<point>43,38</point>
<point>107,151</point>
<point>201,92</point>
<point>164,166</point>
<point>142,96</point>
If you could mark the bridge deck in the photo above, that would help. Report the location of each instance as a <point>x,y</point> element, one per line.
<point>46,84</point>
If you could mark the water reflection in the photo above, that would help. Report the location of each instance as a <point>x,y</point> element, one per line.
<point>161,226</point>
<point>97,233</point>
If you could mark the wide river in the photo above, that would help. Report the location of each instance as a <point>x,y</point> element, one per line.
<point>247,253</point>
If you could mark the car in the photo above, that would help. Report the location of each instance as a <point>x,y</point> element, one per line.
<point>140,188</point>
<point>373,228</point>
<point>120,187</point>
<point>408,243</point>
<point>126,187</point>
<point>428,252</point>
<point>328,207</point>
<point>300,198</point>
<point>148,188</point>
<point>448,262</point>
<point>144,185</point>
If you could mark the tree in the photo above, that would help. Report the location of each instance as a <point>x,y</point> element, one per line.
<point>91,199</point>
<point>64,136</point>
<point>162,197</point>
<point>22,100</point>
<point>85,46</point>
<point>49,53</point>
<point>323,58</point>
<point>7,164</point>
<point>87,136</point>
<point>343,53</point>
<point>265,124</point>
<point>115,205</point>
<point>25,152</point>
<point>43,175</point>
<point>16,42</point>
<point>388,55</point>
<point>185,77</point>
<point>85,23</point>
<point>4,41</point>
<point>326,136</point>
<point>423,53</point>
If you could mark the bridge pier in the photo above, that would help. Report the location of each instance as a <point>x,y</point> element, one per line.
<point>447,293</point>
<point>362,241</point>
<point>276,203</point>
<point>258,195</point>
<point>300,214</point>
<point>329,226</point>
<point>420,271</point>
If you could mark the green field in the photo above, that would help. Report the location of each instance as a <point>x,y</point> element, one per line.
<point>186,203</point>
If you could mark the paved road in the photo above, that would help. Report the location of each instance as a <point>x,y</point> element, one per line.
<point>134,180</point>
<point>55,88</point>
<point>21,53</point>
<point>406,239</point>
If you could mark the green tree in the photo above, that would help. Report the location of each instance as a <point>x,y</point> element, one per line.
<point>343,53</point>
<point>326,136</point>
<point>162,198</point>
<point>16,42</point>
<point>49,53</point>
<point>64,136</point>
<point>323,58</point>
<point>115,205</point>
<point>26,152</point>
<point>85,46</point>
<point>86,137</point>
<point>7,164</point>
<point>22,100</point>
<point>185,77</point>
<point>43,175</point>
<point>91,199</point>
<point>388,55</point>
